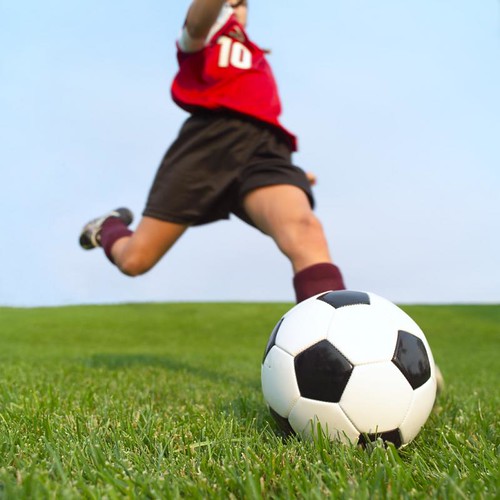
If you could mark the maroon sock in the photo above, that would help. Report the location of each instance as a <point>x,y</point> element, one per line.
<point>316,279</point>
<point>112,230</point>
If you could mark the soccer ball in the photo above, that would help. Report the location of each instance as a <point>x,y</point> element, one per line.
<point>351,365</point>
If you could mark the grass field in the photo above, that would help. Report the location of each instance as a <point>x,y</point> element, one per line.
<point>164,401</point>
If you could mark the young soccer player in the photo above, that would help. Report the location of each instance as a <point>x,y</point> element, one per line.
<point>232,156</point>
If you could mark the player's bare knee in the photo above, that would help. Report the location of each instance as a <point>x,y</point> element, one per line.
<point>133,266</point>
<point>307,227</point>
<point>303,231</point>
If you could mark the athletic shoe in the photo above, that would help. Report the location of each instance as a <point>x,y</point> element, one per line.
<point>90,237</point>
<point>439,380</point>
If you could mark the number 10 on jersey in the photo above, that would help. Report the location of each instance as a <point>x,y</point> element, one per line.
<point>233,53</point>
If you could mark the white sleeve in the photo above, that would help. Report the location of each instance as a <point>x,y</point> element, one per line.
<point>189,44</point>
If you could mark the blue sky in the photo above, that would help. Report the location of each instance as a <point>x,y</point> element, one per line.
<point>396,104</point>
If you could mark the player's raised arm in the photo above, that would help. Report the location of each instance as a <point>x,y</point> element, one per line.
<point>201,17</point>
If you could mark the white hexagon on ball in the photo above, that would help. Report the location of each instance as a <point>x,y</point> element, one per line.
<point>304,325</point>
<point>363,333</point>
<point>307,413</point>
<point>377,397</point>
<point>278,381</point>
<point>419,411</point>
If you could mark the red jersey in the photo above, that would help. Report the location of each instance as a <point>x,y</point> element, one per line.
<point>229,73</point>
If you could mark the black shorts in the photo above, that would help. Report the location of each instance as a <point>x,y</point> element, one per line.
<point>216,160</point>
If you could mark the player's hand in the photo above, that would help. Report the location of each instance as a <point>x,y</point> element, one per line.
<point>311,178</point>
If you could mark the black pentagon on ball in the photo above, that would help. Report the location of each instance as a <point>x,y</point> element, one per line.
<point>342,298</point>
<point>412,359</point>
<point>322,372</point>
<point>393,437</point>
<point>282,422</point>
<point>272,339</point>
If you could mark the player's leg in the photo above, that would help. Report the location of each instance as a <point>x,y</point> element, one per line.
<point>134,253</point>
<point>284,212</point>
<point>188,189</point>
<point>138,253</point>
<point>439,380</point>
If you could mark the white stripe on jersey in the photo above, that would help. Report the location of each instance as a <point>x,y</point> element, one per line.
<point>189,44</point>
